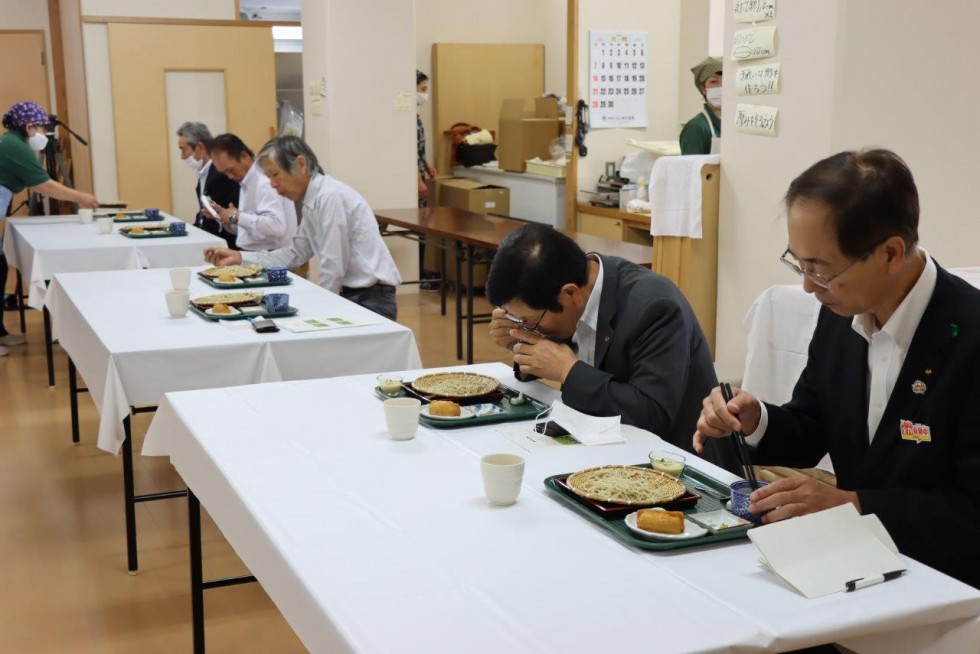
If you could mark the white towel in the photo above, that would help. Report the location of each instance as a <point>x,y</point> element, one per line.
<point>675,195</point>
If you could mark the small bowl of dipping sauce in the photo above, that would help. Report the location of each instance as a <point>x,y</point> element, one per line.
<point>667,462</point>
<point>390,384</point>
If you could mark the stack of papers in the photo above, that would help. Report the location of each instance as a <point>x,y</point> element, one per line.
<point>818,554</point>
<point>300,325</point>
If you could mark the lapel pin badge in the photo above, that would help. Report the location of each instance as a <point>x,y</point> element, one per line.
<point>928,371</point>
<point>954,329</point>
<point>919,387</point>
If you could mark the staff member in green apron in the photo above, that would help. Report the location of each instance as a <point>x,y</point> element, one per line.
<point>702,134</point>
<point>19,169</point>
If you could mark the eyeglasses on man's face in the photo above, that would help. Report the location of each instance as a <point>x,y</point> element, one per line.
<point>823,281</point>
<point>523,325</point>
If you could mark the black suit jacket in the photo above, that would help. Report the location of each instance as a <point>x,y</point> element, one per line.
<point>652,363</point>
<point>222,190</point>
<point>926,494</point>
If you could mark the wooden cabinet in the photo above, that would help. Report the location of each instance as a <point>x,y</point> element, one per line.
<point>615,224</point>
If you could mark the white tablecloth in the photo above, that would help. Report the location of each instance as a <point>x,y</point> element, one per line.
<point>116,328</point>
<point>41,246</point>
<point>370,545</point>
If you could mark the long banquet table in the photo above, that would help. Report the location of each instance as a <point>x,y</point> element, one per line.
<point>118,334</point>
<point>41,246</point>
<point>370,545</point>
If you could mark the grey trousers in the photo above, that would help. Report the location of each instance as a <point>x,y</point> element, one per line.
<point>378,298</point>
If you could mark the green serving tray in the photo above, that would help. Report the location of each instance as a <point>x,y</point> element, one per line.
<point>130,217</point>
<point>617,526</point>
<point>291,311</point>
<point>252,282</point>
<point>153,234</point>
<point>512,412</point>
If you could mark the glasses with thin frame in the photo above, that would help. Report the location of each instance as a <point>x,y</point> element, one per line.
<point>523,325</point>
<point>817,278</point>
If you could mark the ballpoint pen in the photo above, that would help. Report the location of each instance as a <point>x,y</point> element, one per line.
<point>864,582</point>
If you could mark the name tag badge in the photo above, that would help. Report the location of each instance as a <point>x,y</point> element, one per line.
<point>913,431</point>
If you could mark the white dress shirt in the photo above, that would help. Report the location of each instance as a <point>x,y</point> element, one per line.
<point>266,220</point>
<point>887,348</point>
<point>339,228</point>
<point>585,330</point>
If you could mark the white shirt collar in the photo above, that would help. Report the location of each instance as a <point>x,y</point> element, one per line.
<point>590,316</point>
<point>902,324</point>
<point>313,190</point>
<point>203,173</point>
<point>251,175</point>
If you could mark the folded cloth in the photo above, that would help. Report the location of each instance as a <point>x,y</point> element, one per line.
<point>675,195</point>
<point>482,137</point>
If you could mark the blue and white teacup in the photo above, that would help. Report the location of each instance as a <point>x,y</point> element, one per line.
<point>152,214</point>
<point>276,273</point>
<point>277,302</point>
<point>741,490</point>
<point>178,227</point>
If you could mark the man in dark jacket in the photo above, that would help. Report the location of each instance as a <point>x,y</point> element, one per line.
<point>620,339</point>
<point>890,387</point>
<point>194,141</point>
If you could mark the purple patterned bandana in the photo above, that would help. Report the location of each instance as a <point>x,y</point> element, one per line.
<point>25,113</point>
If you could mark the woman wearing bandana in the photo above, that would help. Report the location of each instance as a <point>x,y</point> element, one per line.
<point>702,134</point>
<point>19,169</point>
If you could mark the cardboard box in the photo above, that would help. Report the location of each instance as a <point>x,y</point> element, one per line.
<point>522,135</point>
<point>472,195</point>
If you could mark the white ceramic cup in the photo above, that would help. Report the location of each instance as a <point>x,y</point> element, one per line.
<point>178,302</point>
<point>180,278</point>
<point>502,475</point>
<point>402,417</point>
<point>105,224</point>
<point>85,216</point>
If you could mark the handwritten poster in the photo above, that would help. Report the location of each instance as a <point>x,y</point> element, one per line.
<point>751,11</point>
<point>754,43</point>
<point>757,80</point>
<point>618,78</point>
<point>756,119</point>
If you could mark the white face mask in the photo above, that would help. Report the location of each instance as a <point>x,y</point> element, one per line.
<point>194,164</point>
<point>421,99</point>
<point>38,141</point>
<point>714,96</point>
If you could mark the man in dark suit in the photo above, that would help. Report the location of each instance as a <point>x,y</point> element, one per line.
<point>620,339</point>
<point>194,142</point>
<point>891,386</point>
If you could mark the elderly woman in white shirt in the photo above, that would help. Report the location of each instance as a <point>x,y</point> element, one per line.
<point>338,227</point>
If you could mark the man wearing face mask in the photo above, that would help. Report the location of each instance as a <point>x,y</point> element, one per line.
<point>20,169</point>
<point>194,141</point>
<point>702,134</point>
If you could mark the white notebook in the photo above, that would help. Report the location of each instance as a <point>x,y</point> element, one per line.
<point>819,553</point>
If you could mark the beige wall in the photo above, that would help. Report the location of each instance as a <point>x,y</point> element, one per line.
<point>30,15</point>
<point>503,21</point>
<point>213,9</point>
<point>662,20</point>
<point>361,136</point>
<point>877,72</point>
<point>693,47</point>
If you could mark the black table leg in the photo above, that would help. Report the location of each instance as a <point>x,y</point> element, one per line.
<point>470,253</point>
<point>197,571</point>
<point>73,397</point>
<point>442,280</point>
<point>48,347</point>
<point>459,300</point>
<point>20,303</point>
<point>129,493</point>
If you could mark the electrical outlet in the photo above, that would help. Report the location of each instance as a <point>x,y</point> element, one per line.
<point>403,101</point>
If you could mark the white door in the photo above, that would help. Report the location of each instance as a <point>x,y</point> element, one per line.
<point>196,96</point>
